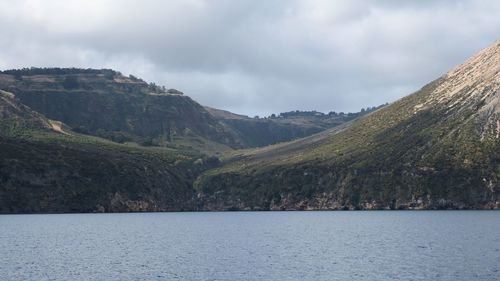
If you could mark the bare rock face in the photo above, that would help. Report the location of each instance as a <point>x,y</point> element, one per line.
<point>475,86</point>
<point>476,79</point>
<point>121,204</point>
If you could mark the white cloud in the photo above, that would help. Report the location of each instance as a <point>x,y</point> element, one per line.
<point>255,57</point>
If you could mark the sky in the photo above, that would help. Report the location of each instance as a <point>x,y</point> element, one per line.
<point>256,57</point>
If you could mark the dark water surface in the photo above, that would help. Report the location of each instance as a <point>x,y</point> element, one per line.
<point>376,245</point>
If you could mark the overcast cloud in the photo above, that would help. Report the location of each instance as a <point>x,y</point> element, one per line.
<point>255,57</point>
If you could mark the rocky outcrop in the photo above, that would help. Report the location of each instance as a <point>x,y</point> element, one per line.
<point>330,202</point>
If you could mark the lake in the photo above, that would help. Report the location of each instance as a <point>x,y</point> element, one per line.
<point>357,245</point>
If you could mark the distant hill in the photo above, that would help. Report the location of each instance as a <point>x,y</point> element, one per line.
<point>287,126</point>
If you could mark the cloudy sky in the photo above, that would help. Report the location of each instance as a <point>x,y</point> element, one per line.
<point>255,57</point>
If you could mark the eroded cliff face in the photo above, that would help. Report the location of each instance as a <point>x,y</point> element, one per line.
<point>332,202</point>
<point>327,188</point>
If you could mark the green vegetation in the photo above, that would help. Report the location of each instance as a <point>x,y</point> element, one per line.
<point>42,170</point>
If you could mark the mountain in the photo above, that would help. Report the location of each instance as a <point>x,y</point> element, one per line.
<point>123,109</point>
<point>438,148</point>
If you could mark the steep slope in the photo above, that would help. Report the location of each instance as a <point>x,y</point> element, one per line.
<point>437,148</point>
<point>16,117</point>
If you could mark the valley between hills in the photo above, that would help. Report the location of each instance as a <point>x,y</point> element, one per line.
<point>89,140</point>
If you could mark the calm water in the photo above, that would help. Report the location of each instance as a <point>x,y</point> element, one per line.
<point>443,245</point>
